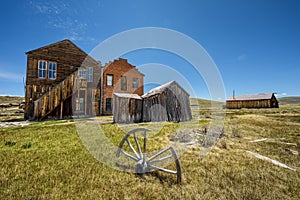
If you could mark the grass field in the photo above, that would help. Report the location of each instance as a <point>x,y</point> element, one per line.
<point>48,160</point>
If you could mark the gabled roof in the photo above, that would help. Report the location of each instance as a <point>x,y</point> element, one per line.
<point>110,63</point>
<point>54,44</point>
<point>61,42</point>
<point>251,97</point>
<point>162,88</point>
<point>127,95</point>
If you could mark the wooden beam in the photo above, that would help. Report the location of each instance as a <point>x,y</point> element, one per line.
<point>61,109</point>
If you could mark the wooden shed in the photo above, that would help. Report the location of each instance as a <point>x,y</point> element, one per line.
<point>252,101</point>
<point>127,108</point>
<point>168,102</point>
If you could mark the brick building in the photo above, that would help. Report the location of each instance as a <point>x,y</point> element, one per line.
<point>63,81</point>
<point>120,77</point>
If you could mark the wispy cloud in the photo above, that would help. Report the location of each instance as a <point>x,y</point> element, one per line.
<point>63,16</point>
<point>11,76</point>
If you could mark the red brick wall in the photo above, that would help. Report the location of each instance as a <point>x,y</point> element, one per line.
<point>120,68</point>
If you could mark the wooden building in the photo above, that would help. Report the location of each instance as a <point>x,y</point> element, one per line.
<point>252,101</point>
<point>63,81</point>
<point>168,102</point>
<point>127,108</point>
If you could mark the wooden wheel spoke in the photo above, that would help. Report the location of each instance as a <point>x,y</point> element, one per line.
<point>162,169</point>
<point>129,155</point>
<point>158,154</point>
<point>145,140</point>
<point>160,159</point>
<point>138,145</point>
<point>132,149</point>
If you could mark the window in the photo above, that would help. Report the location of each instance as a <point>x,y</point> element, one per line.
<point>108,104</point>
<point>52,70</point>
<point>135,83</point>
<point>123,83</point>
<point>109,80</point>
<point>79,104</point>
<point>90,74</point>
<point>42,69</point>
<point>82,73</point>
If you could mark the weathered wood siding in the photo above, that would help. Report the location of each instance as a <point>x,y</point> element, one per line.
<point>56,97</point>
<point>68,58</point>
<point>127,110</point>
<point>172,104</point>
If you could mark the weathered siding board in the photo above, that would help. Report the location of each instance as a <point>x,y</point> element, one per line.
<point>127,108</point>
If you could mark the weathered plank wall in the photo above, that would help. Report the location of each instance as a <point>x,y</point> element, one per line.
<point>172,104</point>
<point>127,110</point>
<point>47,103</point>
<point>68,58</point>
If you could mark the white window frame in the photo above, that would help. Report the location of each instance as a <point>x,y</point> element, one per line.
<point>44,70</point>
<point>53,71</point>
<point>82,73</point>
<point>79,104</point>
<point>109,81</point>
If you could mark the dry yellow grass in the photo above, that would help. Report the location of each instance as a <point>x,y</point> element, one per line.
<point>56,164</point>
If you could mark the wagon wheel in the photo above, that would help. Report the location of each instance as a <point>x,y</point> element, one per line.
<point>143,164</point>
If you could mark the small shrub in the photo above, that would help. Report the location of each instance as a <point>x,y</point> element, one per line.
<point>9,143</point>
<point>236,132</point>
<point>209,141</point>
<point>27,145</point>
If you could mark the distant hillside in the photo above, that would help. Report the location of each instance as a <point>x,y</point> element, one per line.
<point>11,99</point>
<point>204,102</point>
<point>289,100</point>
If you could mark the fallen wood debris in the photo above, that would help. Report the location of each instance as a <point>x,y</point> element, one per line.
<point>291,151</point>
<point>274,141</point>
<point>275,162</point>
<point>260,140</point>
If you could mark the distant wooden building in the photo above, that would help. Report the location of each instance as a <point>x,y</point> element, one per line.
<point>63,81</point>
<point>169,102</point>
<point>127,108</point>
<point>252,101</point>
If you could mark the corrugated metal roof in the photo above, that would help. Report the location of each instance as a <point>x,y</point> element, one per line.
<point>162,88</point>
<point>251,97</point>
<point>126,95</point>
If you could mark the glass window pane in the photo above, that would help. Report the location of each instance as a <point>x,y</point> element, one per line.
<point>109,80</point>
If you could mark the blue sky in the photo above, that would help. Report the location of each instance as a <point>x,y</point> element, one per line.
<point>254,43</point>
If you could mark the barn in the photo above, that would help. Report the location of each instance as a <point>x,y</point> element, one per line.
<point>168,102</point>
<point>252,101</point>
<point>127,108</point>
